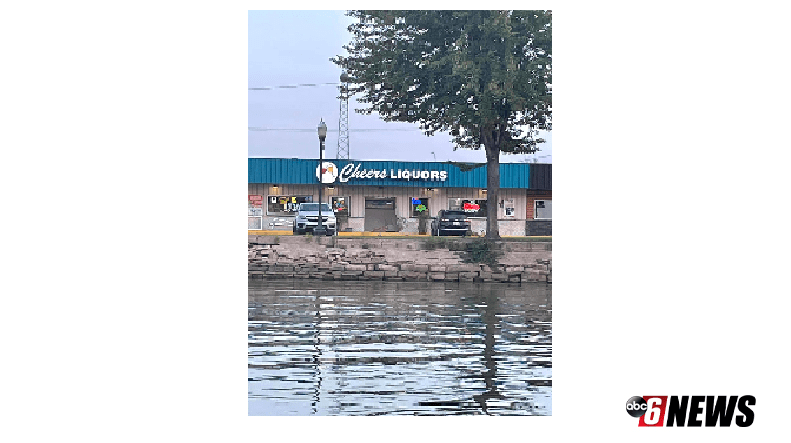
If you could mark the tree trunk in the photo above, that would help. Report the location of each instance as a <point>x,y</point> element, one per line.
<point>492,189</point>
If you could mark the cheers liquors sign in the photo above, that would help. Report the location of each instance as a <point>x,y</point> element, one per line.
<point>328,172</point>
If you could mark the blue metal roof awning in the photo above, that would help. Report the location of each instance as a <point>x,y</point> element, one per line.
<point>387,173</point>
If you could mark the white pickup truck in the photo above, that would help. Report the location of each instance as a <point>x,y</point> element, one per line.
<point>308,218</point>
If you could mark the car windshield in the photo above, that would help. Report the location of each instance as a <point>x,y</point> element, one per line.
<point>455,213</point>
<point>314,207</point>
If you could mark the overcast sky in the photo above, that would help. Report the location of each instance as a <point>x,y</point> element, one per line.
<point>288,48</point>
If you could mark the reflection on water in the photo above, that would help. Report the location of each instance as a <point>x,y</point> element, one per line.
<point>360,348</point>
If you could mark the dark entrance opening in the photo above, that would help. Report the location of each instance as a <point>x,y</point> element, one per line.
<point>380,215</point>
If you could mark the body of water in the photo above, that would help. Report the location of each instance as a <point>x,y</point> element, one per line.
<point>375,348</point>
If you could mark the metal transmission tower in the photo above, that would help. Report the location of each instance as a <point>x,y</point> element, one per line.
<point>343,121</point>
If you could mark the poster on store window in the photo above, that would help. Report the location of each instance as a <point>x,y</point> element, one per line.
<point>255,209</point>
<point>419,205</point>
<point>255,205</point>
<point>286,204</point>
<point>340,205</point>
<point>509,208</point>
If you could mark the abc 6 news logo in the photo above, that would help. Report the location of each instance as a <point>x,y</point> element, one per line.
<point>692,411</point>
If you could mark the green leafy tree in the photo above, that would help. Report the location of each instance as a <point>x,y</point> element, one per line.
<point>483,76</point>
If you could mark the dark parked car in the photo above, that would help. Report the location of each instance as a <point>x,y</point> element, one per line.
<point>450,222</point>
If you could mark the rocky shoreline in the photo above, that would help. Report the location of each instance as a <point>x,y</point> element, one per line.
<point>391,260</point>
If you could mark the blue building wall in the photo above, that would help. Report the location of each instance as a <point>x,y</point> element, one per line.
<point>303,171</point>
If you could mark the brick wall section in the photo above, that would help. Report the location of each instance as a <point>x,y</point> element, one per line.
<point>532,196</point>
<point>538,227</point>
<point>532,226</point>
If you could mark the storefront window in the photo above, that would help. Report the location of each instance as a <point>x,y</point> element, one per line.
<point>419,205</point>
<point>285,204</point>
<point>255,210</point>
<point>473,207</point>
<point>543,209</point>
<point>340,205</point>
<point>254,223</point>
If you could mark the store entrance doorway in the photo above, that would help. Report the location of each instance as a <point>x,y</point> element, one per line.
<point>380,215</point>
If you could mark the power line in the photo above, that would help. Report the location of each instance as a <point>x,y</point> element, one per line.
<point>250,128</point>
<point>269,88</point>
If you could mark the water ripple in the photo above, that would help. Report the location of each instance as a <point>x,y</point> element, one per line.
<point>363,348</point>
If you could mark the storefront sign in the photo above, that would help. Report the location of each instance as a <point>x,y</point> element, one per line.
<point>328,172</point>
<point>471,207</point>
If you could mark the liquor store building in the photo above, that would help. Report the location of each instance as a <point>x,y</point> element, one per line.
<point>392,196</point>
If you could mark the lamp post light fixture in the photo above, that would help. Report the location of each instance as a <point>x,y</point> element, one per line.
<point>322,129</point>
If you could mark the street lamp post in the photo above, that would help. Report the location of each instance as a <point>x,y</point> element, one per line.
<point>320,230</point>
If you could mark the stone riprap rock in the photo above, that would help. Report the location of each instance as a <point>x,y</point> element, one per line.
<point>389,260</point>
